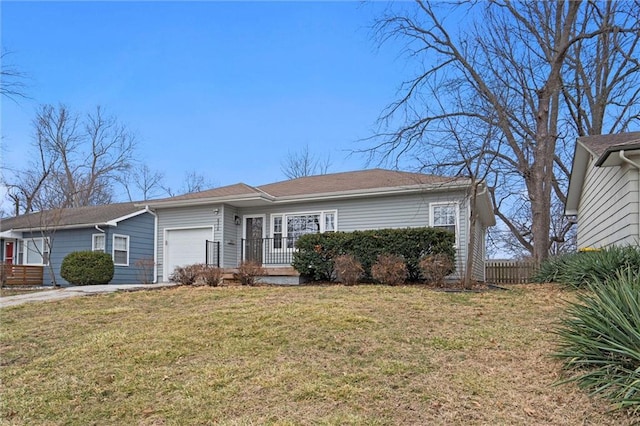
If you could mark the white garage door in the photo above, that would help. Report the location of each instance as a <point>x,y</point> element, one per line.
<point>185,247</point>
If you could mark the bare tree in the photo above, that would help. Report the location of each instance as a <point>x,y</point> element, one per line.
<point>304,163</point>
<point>539,74</point>
<point>76,161</point>
<point>144,181</point>
<point>12,80</point>
<point>193,182</point>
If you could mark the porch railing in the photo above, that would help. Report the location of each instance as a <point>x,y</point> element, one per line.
<point>212,253</point>
<point>21,275</point>
<point>268,251</point>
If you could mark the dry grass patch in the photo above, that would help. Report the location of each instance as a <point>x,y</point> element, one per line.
<point>303,355</point>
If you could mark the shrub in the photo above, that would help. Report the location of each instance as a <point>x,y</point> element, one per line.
<point>185,275</point>
<point>347,269</point>
<point>87,268</point>
<point>579,269</point>
<point>144,268</point>
<point>435,267</point>
<point>389,269</point>
<point>316,252</point>
<point>210,275</point>
<point>248,272</point>
<point>600,339</point>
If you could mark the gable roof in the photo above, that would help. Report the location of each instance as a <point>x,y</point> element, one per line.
<point>79,217</point>
<point>333,185</point>
<point>600,148</point>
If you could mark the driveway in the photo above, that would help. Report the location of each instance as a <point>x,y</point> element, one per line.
<point>65,292</point>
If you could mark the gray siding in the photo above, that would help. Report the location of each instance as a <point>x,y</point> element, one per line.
<point>391,211</point>
<point>184,218</point>
<point>608,210</point>
<point>394,211</point>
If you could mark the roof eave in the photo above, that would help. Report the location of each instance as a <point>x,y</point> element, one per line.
<point>207,200</point>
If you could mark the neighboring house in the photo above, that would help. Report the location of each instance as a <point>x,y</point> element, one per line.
<point>240,222</point>
<point>604,190</point>
<point>123,230</point>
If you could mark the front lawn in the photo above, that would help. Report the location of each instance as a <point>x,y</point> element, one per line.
<point>290,355</point>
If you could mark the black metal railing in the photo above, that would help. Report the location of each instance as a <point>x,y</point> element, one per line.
<point>212,253</point>
<point>268,251</point>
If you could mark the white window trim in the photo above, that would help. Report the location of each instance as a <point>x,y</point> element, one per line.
<point>284,215</point>
<point>25,250</point>
<point>113,249</point>
<point>93,242</point>
<point>456,204</point>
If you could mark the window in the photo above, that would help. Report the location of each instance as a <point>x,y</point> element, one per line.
<point>98,243</point>
<point>36,251</point>
<point>120,250</point>
<point>445,216</point>
<point>277,232</point>
<point>290,227</point>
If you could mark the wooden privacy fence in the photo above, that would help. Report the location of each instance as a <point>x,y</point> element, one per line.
<point>509,271</point>
<point>21,275</point>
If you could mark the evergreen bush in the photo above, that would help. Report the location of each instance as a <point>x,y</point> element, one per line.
<point>315,254</point>
<point>87,268</point>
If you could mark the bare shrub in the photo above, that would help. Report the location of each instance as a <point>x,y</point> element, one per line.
<point>389,269</point>
<point>210,275</point>
<point>248,272</point>
<point>144,270</point>
<point>435,267</point>
<point>347,269</point>
<point>185,275</point>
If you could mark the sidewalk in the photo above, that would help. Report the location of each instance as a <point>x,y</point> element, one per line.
<point>65,292</point>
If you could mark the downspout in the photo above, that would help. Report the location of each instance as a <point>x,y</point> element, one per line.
<point>155,243</point>
<point>484,239</point>
<point>98,229</point>
<point>637,166</point>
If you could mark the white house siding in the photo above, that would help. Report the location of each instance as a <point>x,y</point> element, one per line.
<point>230,246</point>
<point>479,253</point>
<point>608,210</point>
<point>394,211</point>
<point>185,218</point>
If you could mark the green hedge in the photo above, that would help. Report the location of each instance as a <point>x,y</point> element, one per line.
<point>315,254</point>
<point>87,268</point>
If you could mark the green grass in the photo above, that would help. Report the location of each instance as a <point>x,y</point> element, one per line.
<point>303,355</point>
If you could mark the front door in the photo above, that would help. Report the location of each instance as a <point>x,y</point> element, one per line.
<point>8,252</point>
<point>253,241</point>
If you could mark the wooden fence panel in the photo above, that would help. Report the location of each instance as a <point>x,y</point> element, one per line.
<point>509,271</point>
<point>21,275</point>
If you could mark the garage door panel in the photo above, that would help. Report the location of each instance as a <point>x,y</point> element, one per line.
<point>186,247</point>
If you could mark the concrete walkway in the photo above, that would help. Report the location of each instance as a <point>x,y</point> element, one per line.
<point>65,292</point>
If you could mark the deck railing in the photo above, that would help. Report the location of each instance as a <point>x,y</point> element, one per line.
<point>269,251</point>
<point>21,275</point>
<point>212,251</point>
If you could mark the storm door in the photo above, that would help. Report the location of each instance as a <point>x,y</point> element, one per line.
<point>254,238</point>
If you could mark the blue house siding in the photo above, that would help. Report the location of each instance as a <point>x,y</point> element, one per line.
<point>139,229</point>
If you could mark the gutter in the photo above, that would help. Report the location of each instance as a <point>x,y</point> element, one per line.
<point>155,243</point>
<point>637,166</point>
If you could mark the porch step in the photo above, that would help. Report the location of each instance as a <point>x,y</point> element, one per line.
<point>280,275</point>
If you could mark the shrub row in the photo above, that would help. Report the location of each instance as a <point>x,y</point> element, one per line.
<point>316,252</point>
<point>579,269</point>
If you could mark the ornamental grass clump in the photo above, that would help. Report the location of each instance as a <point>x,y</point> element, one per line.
<point>389,269</point>
<point>600,339</point>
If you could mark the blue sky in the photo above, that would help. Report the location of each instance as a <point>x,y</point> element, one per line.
<point>222,89</point>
